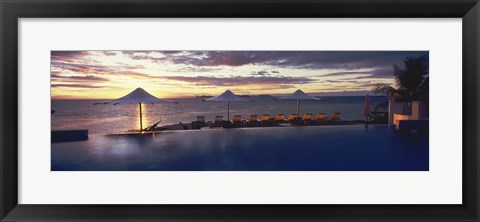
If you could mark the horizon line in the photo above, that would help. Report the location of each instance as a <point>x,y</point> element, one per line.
<point>198,97</point>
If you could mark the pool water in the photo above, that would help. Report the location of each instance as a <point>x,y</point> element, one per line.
<point>309,148</point>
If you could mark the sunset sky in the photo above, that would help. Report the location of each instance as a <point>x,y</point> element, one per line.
<point>176,74</point>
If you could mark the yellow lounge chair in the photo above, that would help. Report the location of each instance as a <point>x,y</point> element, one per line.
<point>265,120</point>
<point>199,123</point>
<point>275,121</point>
<point>307,116</point>
<point>292,117</point>
<point>265,117</point>
<point>280,117</point>
<point>334,116</point>
<point>320,118</point>
<point>237,120</point>
<point>218,121</point>
<point>253,121</point>
<point>218,118</point>
<point>307,119</point>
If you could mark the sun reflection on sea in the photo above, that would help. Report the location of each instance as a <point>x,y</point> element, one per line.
<point>145,119</point>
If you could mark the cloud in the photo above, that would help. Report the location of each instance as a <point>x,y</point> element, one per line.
<point>341,81</point>
<point>229,59</point>
<point>193,69</point>
<point>80,78</point>
<point>143,55</point>
<point>109,53</point>
<point>79,68</point>
<point>75,86</point>
<point>240,80</point>
<point>376,73</point>
<point>96,69</point>
<point>152,56</point>
<point>344,73</point>
<point>260,73</point>
<point>369,85</point>
<point>68,56</point>
<point>74,62</point>
<point>335,92</point>
<point>349,60</point>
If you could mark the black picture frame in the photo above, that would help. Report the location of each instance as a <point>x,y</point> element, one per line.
<point>11,11</point>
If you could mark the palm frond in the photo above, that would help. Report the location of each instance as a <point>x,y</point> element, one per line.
<point>384,89</point>
<point>411,76</point>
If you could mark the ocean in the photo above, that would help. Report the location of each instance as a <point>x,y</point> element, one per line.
<point>108,118</point>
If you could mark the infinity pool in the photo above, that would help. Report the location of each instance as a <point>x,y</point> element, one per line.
<point>310,148</point>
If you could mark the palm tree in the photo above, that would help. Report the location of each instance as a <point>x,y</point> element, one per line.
<point>411,80</point>
<point>387,90</point>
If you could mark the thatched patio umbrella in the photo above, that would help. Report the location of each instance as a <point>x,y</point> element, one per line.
<point>139,96</point>
<point>228,96</point>
<point>299,95</point>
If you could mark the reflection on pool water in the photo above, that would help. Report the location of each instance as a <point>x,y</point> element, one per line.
<point>310,148</point>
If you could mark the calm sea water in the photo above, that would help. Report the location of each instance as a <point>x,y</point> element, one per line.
<point>106,119</point>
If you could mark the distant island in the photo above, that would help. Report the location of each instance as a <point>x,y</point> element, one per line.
<point>263,95</point>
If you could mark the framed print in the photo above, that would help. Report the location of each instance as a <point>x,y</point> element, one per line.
<point>225,110</point>
<point>74,89</point>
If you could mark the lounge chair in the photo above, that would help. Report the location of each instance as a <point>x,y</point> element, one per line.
<point>199,123</point>
<point>320,118</point>
<point>265,120</point>
<point>334,117</point>
<point>210,124</point>
<point>379,117</point>
<point>280,118</point>
<point>253,121</point>
<point>292,119</point>
<point>219,122</point>
<point>153,127</point>
<point>237,121</point>
<point>306,119</point>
